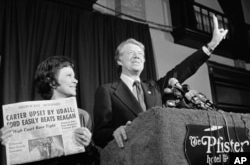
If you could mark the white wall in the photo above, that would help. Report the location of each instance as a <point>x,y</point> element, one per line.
<point>213,4</point>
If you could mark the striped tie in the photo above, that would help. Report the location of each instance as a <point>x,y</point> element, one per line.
<point>140,95</point>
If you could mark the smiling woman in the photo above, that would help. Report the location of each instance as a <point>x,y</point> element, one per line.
<point>67,83</point>
<point>55,79</point>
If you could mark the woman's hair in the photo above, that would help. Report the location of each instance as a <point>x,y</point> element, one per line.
<point>45,76</point>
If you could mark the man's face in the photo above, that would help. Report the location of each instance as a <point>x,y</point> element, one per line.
<point>67,82</point>
<point>131,59</point>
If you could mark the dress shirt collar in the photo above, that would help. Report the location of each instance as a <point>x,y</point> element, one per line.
<point>128,81</point>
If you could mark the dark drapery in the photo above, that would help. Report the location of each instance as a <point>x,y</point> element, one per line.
<point>32,30</point>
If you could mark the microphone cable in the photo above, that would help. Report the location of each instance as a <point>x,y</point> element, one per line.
<point>210,125</point>
<point>218,131</point>
<point>226,123</point>
<point>245,126</point>
<point>235,131</point>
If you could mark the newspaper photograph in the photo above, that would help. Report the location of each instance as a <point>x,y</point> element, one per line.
<point>41,129</point>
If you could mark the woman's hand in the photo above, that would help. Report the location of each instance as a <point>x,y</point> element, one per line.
<point>5,134</point>
<point>83,136</point>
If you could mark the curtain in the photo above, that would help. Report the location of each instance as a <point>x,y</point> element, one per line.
<point>31,31</point>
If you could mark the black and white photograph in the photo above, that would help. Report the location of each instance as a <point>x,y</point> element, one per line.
<point>155,82</point>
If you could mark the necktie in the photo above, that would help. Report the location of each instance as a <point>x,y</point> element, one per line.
<point>140,96</point>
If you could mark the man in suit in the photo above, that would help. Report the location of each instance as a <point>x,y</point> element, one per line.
<point>118,103</point>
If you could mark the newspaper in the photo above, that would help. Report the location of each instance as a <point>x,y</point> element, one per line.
<point>41,129</point>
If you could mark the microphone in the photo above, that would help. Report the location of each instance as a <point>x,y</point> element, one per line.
<point>198,99</point>
<point>191,96</point>
<point>168,90</point>
<point>205,100</point>
<point>174,83</point>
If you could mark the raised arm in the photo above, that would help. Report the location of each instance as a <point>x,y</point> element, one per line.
<point>192,63</point>
<point>218,34</point>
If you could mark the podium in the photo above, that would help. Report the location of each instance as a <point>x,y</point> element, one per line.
<point>157,136</point>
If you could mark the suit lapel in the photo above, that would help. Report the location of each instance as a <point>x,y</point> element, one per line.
<point>149,95</point>
<point>126,97</point>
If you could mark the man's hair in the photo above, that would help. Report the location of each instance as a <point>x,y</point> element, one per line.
<point>128,41</point>
<point>45,76</point>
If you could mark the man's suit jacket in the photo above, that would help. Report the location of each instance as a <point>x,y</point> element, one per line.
<point>115,104</point>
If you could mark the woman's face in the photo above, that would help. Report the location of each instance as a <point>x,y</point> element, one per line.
<point>67,83</point>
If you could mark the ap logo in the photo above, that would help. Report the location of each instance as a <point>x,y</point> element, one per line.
<point>240,160</point>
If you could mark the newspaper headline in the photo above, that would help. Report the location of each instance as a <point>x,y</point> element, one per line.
<point>41,129</point>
